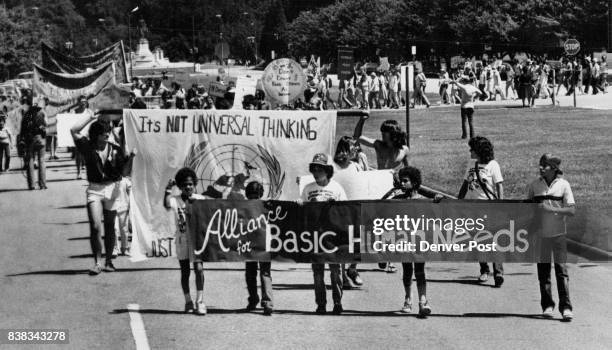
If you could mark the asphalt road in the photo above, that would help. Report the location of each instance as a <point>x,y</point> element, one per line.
<point>44,284</point>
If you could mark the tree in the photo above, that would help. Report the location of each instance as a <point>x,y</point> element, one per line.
<point>274,31</point>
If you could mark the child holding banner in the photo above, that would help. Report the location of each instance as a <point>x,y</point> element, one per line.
<point>255,190</point>
<point>322,190</point>
<point>557,202</point>
<point>347,165</point>
<point>406,183</point>
<point>484,181</point>
<point>186,180</point>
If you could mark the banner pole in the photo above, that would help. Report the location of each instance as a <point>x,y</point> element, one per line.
<point>407,107</point>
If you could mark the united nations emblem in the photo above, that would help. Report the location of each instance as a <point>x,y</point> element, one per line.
<point>224,171</point>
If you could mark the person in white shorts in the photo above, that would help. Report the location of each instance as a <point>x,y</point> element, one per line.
<point>106,163</point>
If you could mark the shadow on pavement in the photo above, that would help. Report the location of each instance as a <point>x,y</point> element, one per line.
<point>79,206</point>
<point>61,180</point>
<point>414,315</point>
<point>460,280</point>
<point>13,190</point>
<point>67,224</point>
<point>296,286</point>
<point>86,271</point>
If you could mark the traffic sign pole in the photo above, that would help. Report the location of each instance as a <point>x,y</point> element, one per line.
<point>572,47</point>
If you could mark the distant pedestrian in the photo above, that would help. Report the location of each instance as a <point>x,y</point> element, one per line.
<point>33,134</point>
<point>6,140</point>
<point>467,93</point>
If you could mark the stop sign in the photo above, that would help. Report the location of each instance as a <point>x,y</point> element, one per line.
<point>571,46</point>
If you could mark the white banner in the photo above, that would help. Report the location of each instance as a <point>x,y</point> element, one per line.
<point>65,121</point>
<point>372,184</point>
<point>227,149</point>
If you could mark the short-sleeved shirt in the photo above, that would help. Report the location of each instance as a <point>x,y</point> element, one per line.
<point>466,93</point>
<point>558,195</point>
<point>184,241</point>
<point>5,135</point>
<point>390,158</point>
<point>490,175</point>
<point>103,166</point>
<point>315,193</point>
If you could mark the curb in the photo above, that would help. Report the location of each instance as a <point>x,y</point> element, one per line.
<point>588,252</point>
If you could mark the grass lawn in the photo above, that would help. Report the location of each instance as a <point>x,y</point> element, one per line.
<point>581,137</point>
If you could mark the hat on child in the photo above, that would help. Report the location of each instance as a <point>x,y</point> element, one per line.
<point>321,159</point>
<point>553,161</point>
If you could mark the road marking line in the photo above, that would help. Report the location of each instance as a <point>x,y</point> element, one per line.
<point>137,325</point>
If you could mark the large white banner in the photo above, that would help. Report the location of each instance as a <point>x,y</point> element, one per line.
<point>227,149</point>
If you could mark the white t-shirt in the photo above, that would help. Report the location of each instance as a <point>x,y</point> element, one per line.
<point>490,174</point>
<point>348,179</point>
<point>466,92</point>
<point>558,195</point>
<point>315,193</point>
<point>177,205</point>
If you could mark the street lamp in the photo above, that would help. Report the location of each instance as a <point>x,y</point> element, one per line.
<point>221,36</point>
<point>130,36</point>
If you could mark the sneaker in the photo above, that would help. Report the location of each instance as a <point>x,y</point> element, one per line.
<point>189,307</point>
<point>116,252</point>
<point>483,277</point>
<point>424,309</point>
<point>382,266</point>
<point>321,310</point>
<point>347,283</point>
<point>499,280</point>
<point>200,308</point>
<point>95,270</point>
<point>267,310</point>
<point>109,267</point>
<point>391,268</point>
<point>567,314</point>
<point>407,307</point>
<point>337,309</point>
<point>356,279</point>
<point>548,312</point>
<point>251,306</point>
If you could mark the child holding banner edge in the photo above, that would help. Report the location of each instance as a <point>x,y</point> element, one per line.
<point>186,180</point>
<point>406,183</point>
<point>484,181</point>
<point>322,190</point>
<point>254,190</point>
<point>556,201</point>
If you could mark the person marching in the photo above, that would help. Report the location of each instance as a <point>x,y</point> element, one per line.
<point>391,153</point>
<point>33,134</point>
<point>106,164</point>
<point>467,92</point>
<point>6,140</point>
<point>406,184</point>
<point>483,181</point>
<point>347,164</point>
<point>556,200</point>
<point>186,180</point>
<point>255,190</point>
<point>324,189</point>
